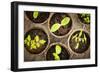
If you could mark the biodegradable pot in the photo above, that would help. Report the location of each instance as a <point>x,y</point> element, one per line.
<point>42,17</point>
<point>42,34</point>
<point>64,55</point>
<point>82,19</point>
<point>83,46</point>
<point>56,18</point>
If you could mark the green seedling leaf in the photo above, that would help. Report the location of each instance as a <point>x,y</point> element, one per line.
<point>77,45</point>
<point>74,36</point>
<point>33,46</point>
<point>85,38</point>
<point>27,40</point>
<point>55,27</point>
<point>56,57</point>
<point>35,14</point>
<point>80,34</point>
<point>82,40</point>
<point>65,21</point>
<point>42,42</point>
<point>28,43</point>
<point>38,45</point>
<point>76,39</point>
<point>36,38</point>
<point>58,49</point>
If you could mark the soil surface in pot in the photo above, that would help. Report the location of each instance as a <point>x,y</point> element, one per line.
<point>33,33</point>
<point>56,18</point>
<point>64,55</point>
<point>42,16</point>
<point>83,45</point>
<point>84,18</point>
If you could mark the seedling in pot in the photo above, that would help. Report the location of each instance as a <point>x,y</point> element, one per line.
<point>78,38</point>
<point>64,22</point>
<point>57,52</point>
<point>34,44</point>
<point>85,17</point>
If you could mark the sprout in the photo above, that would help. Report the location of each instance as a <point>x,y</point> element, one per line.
<point>78,39</point>
<point>65,21</point>
<point>35,14</point>
<point>34,44</point>
<point>57,52</point>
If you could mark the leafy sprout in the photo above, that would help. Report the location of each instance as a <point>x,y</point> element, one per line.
<point>35,14</point>
<point>78,39</point>
<point>85,17</point>
<point>34,44</point>
<point>57,52</point>
<point>64,22</point>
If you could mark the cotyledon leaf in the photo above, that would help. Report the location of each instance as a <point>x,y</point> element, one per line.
<point>55,27</point>
<point>35,14</point>
<point>58,49</point>
<point>56,57</point>
<point>80,34</point>
<point>65,21</point>
<point>37,38</point>
<point>42,41</point>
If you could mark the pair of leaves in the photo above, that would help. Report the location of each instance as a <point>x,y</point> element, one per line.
<point>56,26</point>
<point>34,44</point>
<point>35,14</point>
<point>57,52</point>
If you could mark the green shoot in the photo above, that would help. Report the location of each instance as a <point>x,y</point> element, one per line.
<point>56,57</point>
<point>55,27</point>
<point>35,14</point>
<point>34,44</point>
<point>58,49</point>
<point>65,21</point>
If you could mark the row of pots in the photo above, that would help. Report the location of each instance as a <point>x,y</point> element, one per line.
<point>52,19</point>
<point>65,52</point>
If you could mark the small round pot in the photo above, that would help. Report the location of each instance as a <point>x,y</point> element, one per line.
<point>42,18</point>
<point>83,46</point>
<point>62,31</point>
<point>64,55</point>
<point>42,35</point>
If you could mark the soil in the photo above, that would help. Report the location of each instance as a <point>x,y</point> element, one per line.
<point>43,16</point>
<point>42,35</point>
<point>82,19</point>
<point>56,18</point>
<point>64,55</point>
<point>83,46</point>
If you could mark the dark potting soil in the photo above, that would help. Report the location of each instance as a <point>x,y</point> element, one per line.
<point>83,46</point>
<point>82,19</point>
<point>42,35</point>
<point>41,17</point>
<point>64,55</point>
<point>56,18</point>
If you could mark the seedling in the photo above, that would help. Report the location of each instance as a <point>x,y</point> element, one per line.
<point>35,14</point>
<point>85,17</point>
<point>64,22</point>
<point>57,52</point>
<point>34,44</point>
<point>78,39</point>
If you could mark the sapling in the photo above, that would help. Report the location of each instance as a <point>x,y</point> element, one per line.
<point>78,39</point>
<point>64,22</point>
<point>35,14</point>
<point>34,44</point>
<point>57,52</point>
